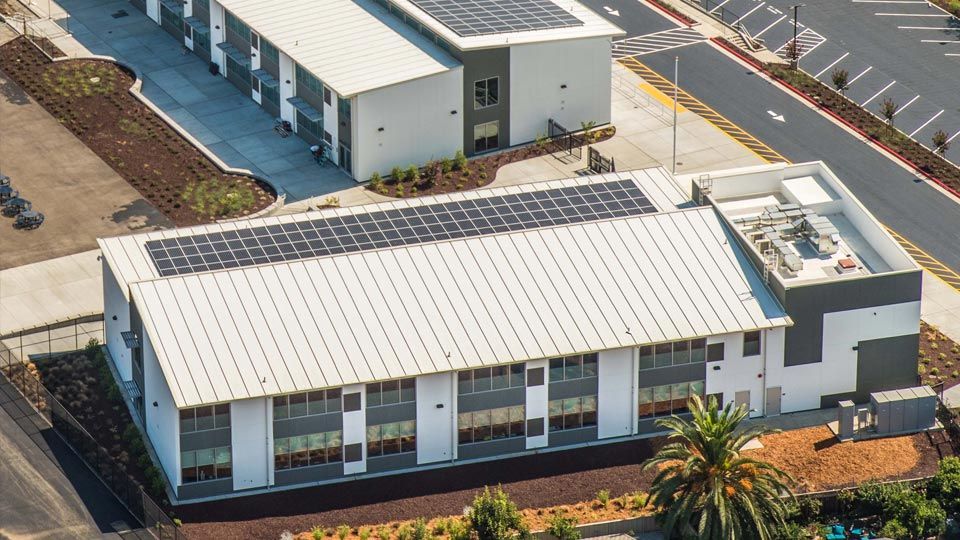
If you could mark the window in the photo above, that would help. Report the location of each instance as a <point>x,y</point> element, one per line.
<point>486,136</point>
<point>236,25</point>
<point>394,438</point>
<point>201,41</point>
<point>270,93</point>
<point>572,413</point>
<point>502,423</point>
<point>486,93</point>
<point>307,80</point>
<point>306,404</point>
<point>201,5</point>
<point>751,343</point>
<point>209,464</point>
<point>237,69</point>
<point>327,98</point>
<point>269,51</point>
<point>573,367</point>
<point>307,450</point>
<point>311,127</point>
<point>391,392</point>
<point>668,399</point>
<point>673,354</point>
<point>491,378</point>
<point>715,352</point>
<point>254,41</point>
<point>343,110</point>
<point>205,418</point>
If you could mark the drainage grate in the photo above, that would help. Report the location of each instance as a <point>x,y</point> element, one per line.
<point>119,14</point>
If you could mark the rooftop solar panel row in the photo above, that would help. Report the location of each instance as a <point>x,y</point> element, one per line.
<point>481,17</point>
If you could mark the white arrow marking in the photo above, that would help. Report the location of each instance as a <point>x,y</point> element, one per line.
<point>777,117</point>
<point>614,12</point>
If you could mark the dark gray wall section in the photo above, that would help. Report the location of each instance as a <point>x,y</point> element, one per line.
<point>571,436</point>
<point>272,109</point>
<point>302,475</point>
<point>648,425</point>
<point>208,488</point>
<point>305,425</point>
<point>316,101</point>
<point>236,40</point>
<point>574,388</point>
<point>673,374</point>
<point>386,414</point>
<point>882,364</point>
<point>140,4</point>
<point>806,305</point>
<point>491,448</point>
<point>202,14</point>
<point>479,65</point>
<point>202,440</point>
<point>269,65</point>
<point>491,400</point>
<point>391,463</point>
<point>171,23</point>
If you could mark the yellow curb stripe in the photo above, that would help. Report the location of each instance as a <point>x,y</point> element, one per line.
<point>664,99</point>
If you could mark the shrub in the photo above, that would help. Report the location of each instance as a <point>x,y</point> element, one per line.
<point>458,530</point>
<point>397,174</point>
<point>405,532</point>
<point>894,529</point>
<point>376,182</point>
<point>792,531</point>
<point>945,485</point>
<point>446,165</point>
<point>413,173</point>
<point>955,374</point>
<point>343,531</point>
<point>639,500</point>
<point>563,528</point>
<point>420,530</point>
<point>216,198</point>
<point>383,533</point>
<point>934,371</point>
<point>541,140</point>
<point>459,160</point>
<point>941,142</point>
<point>317,533</point>
<point>363,533</point>
<point>922,517</point>
<point>493,516</point>
<point>603,496</point>
<point>399,191</point>
<point>921,369</point>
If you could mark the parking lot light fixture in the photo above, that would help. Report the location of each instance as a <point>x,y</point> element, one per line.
<point>795,55</point>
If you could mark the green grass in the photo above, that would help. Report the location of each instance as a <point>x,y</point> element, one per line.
<point>81,80</point>
<point>219,198</point>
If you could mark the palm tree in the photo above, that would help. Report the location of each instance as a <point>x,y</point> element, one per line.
<point>705,488</point>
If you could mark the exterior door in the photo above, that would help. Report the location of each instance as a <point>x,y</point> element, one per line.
<point>773,401</point>
<point>344,159</point>
<point>742,398</point>
<point>153,10</point>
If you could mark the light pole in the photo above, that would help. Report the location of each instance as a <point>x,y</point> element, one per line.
<point>795,60</point>
<point>676,75</point>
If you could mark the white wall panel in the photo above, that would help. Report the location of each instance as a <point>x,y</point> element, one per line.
<point>737,373</point>
<point>355,429</point>
<point>537,74</point>
<point>286,90</point>
<point>217,35</point>
<point>250,443</point>
<point>416,121</point>
<point>615,393</point>
<point>115,305</point>
<point>435,414</point>
<point>162,420</point>
<point>331,123</point>
<point>537,402</point>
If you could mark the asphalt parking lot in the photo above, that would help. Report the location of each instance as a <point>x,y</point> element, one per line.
<point>904,50</point>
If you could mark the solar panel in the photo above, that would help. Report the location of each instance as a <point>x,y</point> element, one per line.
<point>481,17</point>
<point>397,227</point>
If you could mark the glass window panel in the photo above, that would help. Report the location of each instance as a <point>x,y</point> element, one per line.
<point>646,357</point>
<point>188,459</point>
<point>221,415</point>
<point>500,420</point>
<point>481,380</point>
<point>589,410</point>
<point>678,398</point>
<point>571,413</point>
<point>589,403</point>
<point>188,422</point>
<point>408,436</point>
<point>408,390</point>
<point>188,467</point>
<point>204,418</point>
<point>556,369</point>
<point>374,446</point>
<point>645,399</point>
<point>661,400</point>
<point>573,368</point>
<point>390,392</point>
<point>481,426</point>
<point>698,350</point>
<point>556,414</point>
<point>681,352</point>
<point>698,388</point>
<point>590,365</point>
<point>333,400</point>
<point>662,355</point>
<point>391,438</point>
<point>299,452</point>
<point>571,405</point>
<point>493,91</point>
<point>500,378</point>
<point>317,402</point>
<point>479,98</point>
<point>206,470</point>
<point>464,382</point>
<point>224,462</point>
<point>334,446</point>
<point>316,444</point>
<point>280,408</point>
<point>518,375</point>
<point>751,344</point>
<point>465,428</point>
<point>373,395</point>
<point>298,405</point>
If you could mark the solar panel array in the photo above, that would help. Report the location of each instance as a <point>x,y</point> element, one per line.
<point>397,227</point>
<point>481,17</point>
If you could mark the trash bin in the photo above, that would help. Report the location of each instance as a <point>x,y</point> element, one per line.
<point>214,68</point>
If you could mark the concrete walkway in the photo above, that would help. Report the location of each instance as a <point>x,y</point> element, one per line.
<point>210,108</point>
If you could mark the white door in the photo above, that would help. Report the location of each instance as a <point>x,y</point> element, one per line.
<point>153,10</point>
<point>435,417</point>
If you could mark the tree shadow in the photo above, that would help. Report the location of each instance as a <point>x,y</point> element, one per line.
<point>11,92</point>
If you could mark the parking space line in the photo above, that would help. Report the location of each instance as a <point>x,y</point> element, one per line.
<point>925,124</point>
<point>719,6</point>
<point>939,41</point>
<point>835,62</point>
<point>954,136</point>
<point>908,15</point>
<point>900,110</point>
<point>889,1</point>
<point>774,23</point>
<point>941,28</point>
<point>951,54</point>
<point>882,90</point>
<point>853,80</point>
<point>760,5</point>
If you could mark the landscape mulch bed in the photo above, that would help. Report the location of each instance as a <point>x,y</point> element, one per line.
<point>875,128</point>
<point>91,99</point>
<point>939,358</point>
<point>953,6</point>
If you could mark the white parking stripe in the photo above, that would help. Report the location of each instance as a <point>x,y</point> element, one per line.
<point>909,15</point>
<point>889,1</point>
<point>774,23</point>
<point>719,6</point>
<point>951,54</point>
<point>873,97</point>
<point>835,62</point>
<point>939,41</point>
<point>925,124</point>
<point>748,13</point>
<point>954,136</point>
<point>925,28</point>
<point>900,110</point>
<point>849,84</point>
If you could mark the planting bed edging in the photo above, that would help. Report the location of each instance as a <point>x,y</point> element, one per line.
<point>603,528</point>
<point>753,62</point>
<point>674,14</point>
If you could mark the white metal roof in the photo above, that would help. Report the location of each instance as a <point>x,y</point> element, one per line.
<point>593,26</point>
<point>351,45</point>
<point>130,262</point>
<point>411,310</point>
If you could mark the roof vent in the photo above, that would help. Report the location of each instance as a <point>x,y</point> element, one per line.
<point>847,265</point>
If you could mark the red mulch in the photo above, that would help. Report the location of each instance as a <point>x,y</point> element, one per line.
<point>91,99</point>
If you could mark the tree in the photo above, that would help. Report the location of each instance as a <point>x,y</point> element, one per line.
<point>493,516</point>
<point>921,517</point>
<point>840,78</point>
<point>944,487</point>
<point>941,142</point>
<point>794,52</point>
<point>706,488</point>
<point>888,109</point>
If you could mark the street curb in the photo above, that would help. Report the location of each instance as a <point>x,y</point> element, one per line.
<point>671,14</point>
<point>753,62</point>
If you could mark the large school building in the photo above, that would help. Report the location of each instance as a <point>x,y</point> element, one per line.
<point>289,351</point>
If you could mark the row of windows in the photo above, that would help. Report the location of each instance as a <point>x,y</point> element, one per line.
<point>307,450</point>
<point>237,69</point>
<point>479,426</point>
<point>204,418</point>
<point>237,26</point>
<point>486,93</point>
<point>572,413</point>
<point>306,404</point>
<point>311,127</point>
<point>269,51</point>
<point>393,438</point>
<point>673,354</point>
<point>271,94</point>
<point>668,399</point>
<point>201,40</point>
<point>306,79</point>
<point>491,378</point>
<point>574,367</point>
<point>391,392</point>
<point>209,464</point>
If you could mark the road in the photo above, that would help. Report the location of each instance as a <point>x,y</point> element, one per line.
<point>896,197</point>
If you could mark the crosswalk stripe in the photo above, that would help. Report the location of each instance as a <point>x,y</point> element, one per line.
<point>656,42</point>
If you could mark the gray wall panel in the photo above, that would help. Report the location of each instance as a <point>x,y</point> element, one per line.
<point>882,364</point>
<point>303,475</point>
<point>306,425</point>
<point>479,65</point>
<point>386,414</point>
<point>491,400</point>
<point>492,448</point>
<point>648,425</point>
<point>571,436</point>
<point>236,40</point>
<point>391,463</point>
<point>202,440</point>
<point>205,489</point>
<point>270,66</point>
<point>673,374</point>
<point>574,388</point>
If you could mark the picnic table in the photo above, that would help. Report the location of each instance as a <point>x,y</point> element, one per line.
<point>28,219</point>
<point>7,193</point>
<point>15,205</point>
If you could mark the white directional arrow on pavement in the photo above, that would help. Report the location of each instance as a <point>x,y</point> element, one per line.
<point>777,117</point>
<point>614,12</point>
